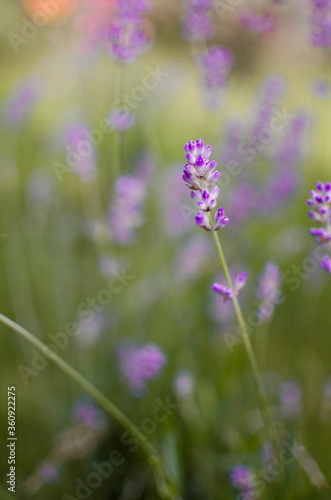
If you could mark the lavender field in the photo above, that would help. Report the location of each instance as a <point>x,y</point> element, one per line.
<point>165,250</point>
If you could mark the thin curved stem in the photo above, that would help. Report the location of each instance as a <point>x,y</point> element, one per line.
<point>264,405</point>
<point>151,454</point>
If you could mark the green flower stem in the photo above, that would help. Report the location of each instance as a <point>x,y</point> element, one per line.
<point>265,409</point>
<point>151,454</point>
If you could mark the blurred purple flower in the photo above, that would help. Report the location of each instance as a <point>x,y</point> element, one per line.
<point>192,259</point>
<point>320,213</point>
<point>268,290</point>
<point>216,63</point>
<point>82,155</point>
<point>49,472</point>
<point>290,396</point>
<point>320,22</point>
<point>86,413</point>
<point>40,189</point>
<point>321,88</point>
<point>197,24</point>
<point>257,23</point>
<point>326,263</point>
<point>19,104</point>
<point>126,210</point>
<point>127,34</point>
<point>140,364</point>
<point>271,91</point>
<point>241,478</point>
<point>89,332</point>
<point>244,200</point>
<point>184,383</point>
<point>121,120</point>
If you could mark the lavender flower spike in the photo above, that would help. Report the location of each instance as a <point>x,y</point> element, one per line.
<point>269,290</point>
<point>140,364</point>
<point>199,174</point>
<point>320,213</point>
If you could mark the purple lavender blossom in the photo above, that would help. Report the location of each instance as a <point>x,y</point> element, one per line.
<point>241,478</point>
<point>197,24</point>
<point>320,213</point>
<point>82,155</point>
<point>290,396</point>
<point>127,35</point>
<point>40,189</point>
<point>216,63</point>
<point>126,211</point>
<point>322,89</point>
<point>268,290</point>
<point>86,413</point>
<point>227,292</point>
<point>192,259</point>
<point>326,263</point>
<point>184,384</point>
<point>199,174</point>
<point>140,364</point>
<point>245,145</point>
<point>89,332</point>
<point>257,23</point>
<point>20,102</point>
<point>49,472</point>
<point>121,120</point>
<point>320,22</point>
<point>271,91</point>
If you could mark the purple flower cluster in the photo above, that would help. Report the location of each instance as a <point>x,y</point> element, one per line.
<point>320,22</point>
<point>126,210</point>
<point>268,290</point>
<point>127,34</point>
<point>290,397</point>
<point>140,364</point>
<point>269,139</point>
<point>87,414</point>
<point>192,260</point>
<point>197,24</point>
<point>271,91</point>
<point>216,64</point>
<point>21,101</point>
<point>121,120</point>
<point>320,204</point>
<point>257,23</point>
<point>82,154</point>
<point>227,292</point>
<point>242,479</point>
<point>199,174</point>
